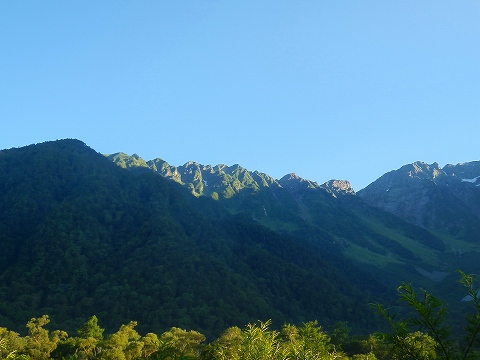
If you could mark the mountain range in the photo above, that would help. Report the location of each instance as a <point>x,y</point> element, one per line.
<point>441,199</point>
<point>207,247</point>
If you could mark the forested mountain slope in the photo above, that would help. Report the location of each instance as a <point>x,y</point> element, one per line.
<point>216,247</point>
<point>81,236</point>
<point>352,234</point>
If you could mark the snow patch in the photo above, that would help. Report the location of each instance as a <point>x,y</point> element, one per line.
<point>471,180</point>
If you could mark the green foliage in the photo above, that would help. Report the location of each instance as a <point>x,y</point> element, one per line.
<point>39,341</point>
<point>183,344</point>
<point>151,345</point>
<point>308,342</point>
<point>124,344</point>
<point>256,341</point>
<point>366,347</point>
<point>226,346</point>
<point>430,316</point>
<point>125,161</point>
<point>91,329</point>
<point>340,333</point>
<point>11,344</point>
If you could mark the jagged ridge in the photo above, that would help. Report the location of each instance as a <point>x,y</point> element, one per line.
<point>223,180</point>
<point>436,198</point>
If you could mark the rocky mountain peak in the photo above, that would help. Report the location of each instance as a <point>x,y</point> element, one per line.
<point>430,196</point>
<point>421,170</point>
<point>294,182</point>
<point>339,186</point>
<point>291,176</point>
<point>461,171</point>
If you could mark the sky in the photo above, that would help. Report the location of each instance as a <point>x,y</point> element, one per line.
<point>325,89</point>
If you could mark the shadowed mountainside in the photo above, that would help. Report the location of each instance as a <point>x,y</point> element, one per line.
<point>81,236</point>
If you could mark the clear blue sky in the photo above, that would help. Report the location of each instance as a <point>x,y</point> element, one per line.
<point>325,89</point>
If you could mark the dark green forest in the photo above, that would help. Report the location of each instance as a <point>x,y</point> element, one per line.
<point>425,335</point>
<point>254,341</point>
<point>80,235</point>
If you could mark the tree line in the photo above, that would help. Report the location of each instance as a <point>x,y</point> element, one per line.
<point>425,335</point>
<point>254,341</point>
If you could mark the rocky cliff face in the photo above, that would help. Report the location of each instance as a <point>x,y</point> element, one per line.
<point>339,186</point>
<point>225,181</point>
<point>465,183</point>
<point>430,196</point>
